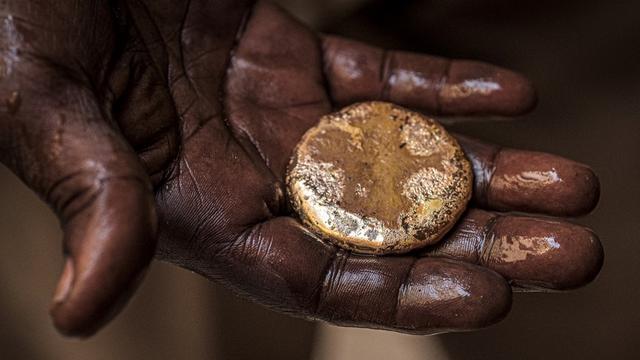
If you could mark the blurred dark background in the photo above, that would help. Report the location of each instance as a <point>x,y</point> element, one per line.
<point>584,58</point>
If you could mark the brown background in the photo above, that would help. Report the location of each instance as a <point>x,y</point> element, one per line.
<point>583,56</point>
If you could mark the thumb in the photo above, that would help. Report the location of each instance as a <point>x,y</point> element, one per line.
<point>61,145</point>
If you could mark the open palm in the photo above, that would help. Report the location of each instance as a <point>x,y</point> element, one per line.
<point>191,109</point>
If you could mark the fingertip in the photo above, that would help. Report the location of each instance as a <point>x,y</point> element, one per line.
<point>71,313</point>
<point>501,298</point>
<point>588,186</point>
<point>494,300</point>
<point>518,95</point>
<point>542,183</point>
<point>582,264</point>
<point>71,322</point>
<point>592,262</point>
<point>477,88</point>
<point>88,307</point>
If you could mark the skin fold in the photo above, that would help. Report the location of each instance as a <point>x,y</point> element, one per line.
<point>163,129</point>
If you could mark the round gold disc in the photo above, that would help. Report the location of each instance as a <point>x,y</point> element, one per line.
<point>377,178</point>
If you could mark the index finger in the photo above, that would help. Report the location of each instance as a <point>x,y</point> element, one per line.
<point>359,72</point>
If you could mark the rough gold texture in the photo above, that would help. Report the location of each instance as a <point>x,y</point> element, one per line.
<point>377,178</point>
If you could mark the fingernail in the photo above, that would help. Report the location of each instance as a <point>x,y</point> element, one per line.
<point>64,285</point>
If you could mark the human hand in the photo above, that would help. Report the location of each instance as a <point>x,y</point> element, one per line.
<point>192,109</point>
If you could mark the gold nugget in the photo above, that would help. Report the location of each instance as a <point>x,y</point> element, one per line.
<point>378,179</point>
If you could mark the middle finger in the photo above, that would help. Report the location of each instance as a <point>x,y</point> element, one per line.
<point>529,181</point>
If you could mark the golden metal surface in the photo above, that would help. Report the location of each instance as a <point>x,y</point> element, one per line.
<point>377,178</point>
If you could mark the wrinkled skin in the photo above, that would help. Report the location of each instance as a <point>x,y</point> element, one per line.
<point>163,128</point>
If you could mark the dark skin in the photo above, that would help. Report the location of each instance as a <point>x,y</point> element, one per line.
<point>164,128</point>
